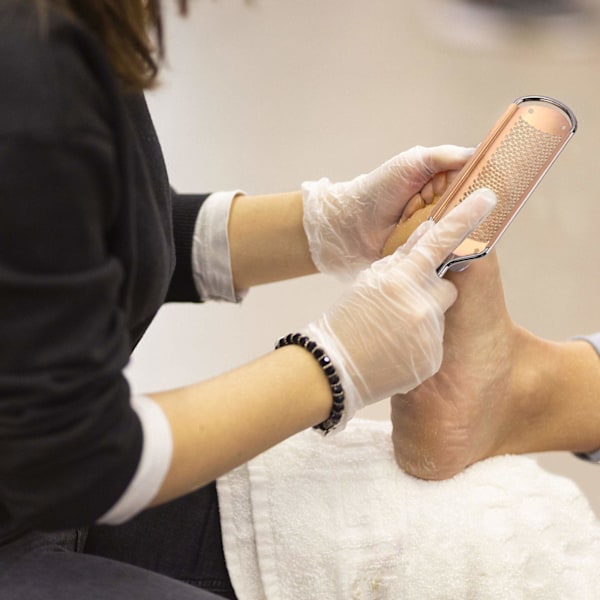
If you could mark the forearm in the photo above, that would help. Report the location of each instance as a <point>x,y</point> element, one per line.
<point>223,422</point>
<point>267,239</point>
<point>558,397</point>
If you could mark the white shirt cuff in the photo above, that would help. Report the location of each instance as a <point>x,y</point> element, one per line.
<point>211,260</point>
<point>154,463</point>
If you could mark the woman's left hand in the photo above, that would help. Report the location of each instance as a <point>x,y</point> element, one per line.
<point>348,223</point>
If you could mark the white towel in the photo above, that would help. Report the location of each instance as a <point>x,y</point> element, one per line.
<point>336,519</point>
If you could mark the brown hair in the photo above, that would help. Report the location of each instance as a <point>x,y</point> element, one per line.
<point>131,33</point>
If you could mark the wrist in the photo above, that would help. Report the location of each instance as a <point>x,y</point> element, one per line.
<point>349,378</point>
<point>330,224</point>
<point>335,419</point>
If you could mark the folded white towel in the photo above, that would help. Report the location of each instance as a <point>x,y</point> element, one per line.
<point>336,519</point>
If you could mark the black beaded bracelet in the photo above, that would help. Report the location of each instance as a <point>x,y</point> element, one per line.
<point>337,391</point>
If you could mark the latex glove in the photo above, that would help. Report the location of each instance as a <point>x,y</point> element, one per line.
<point>385,335</point>
<point>348,223</point>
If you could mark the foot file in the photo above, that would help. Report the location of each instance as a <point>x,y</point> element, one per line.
<point>511,161</point>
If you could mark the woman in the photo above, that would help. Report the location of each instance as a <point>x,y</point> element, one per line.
<point>94,240</point>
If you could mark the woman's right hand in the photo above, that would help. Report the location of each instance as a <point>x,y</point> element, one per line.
<point>385,336</point>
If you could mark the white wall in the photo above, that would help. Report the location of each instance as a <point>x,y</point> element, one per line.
<point>263,94</point>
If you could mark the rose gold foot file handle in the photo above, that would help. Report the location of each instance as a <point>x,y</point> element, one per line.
<point>511,161</point>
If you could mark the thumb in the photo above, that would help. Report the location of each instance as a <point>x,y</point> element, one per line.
<point>441,239</point>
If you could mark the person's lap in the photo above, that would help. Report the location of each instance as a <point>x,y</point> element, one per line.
<point>172,551</point>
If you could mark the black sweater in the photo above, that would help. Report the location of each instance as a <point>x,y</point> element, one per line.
<point>92,242</point>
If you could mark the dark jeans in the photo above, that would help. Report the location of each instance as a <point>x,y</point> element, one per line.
<point>172,552</point>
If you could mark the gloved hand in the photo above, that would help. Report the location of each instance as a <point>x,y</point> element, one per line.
<point>385,335</point>
<point>348,223</point>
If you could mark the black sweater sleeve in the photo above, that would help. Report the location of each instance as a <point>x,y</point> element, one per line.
<point>185,209</point>
<point>69,440</point>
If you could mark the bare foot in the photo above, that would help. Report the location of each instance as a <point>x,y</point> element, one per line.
<point>461,414</point>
